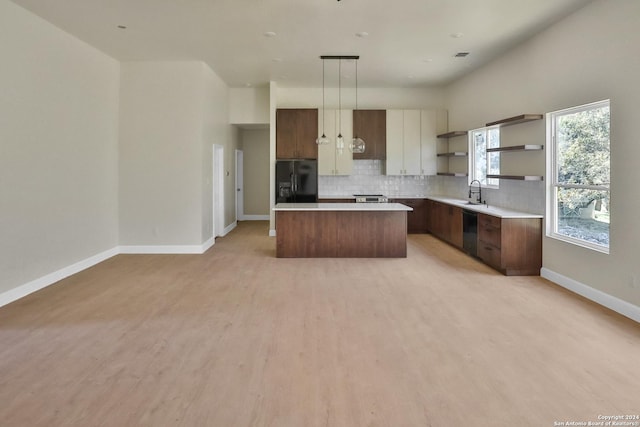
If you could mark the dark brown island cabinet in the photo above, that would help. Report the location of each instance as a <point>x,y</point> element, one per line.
<point>371,126</point>
<point>296,133</point>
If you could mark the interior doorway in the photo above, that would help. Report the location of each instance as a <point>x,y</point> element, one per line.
<point>239,185</point>
<point>218,190</point>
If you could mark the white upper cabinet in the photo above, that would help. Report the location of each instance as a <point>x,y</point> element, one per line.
<point>412,142</point>
<point>330,160</point>
<point>403,142</point>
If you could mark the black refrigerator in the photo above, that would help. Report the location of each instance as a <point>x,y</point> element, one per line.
<point>296,181</point>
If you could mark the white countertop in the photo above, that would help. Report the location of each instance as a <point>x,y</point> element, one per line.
<point>485,209</point>
<point>345,197</point>
<point>397,207</point>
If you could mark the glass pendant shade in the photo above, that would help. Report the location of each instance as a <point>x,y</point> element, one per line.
<point>357,145</point>
<point>323,140</point>
<point>340,143</point>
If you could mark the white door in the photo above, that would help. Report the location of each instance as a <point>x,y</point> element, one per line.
<point>218,190</point>
<point>239,185</point>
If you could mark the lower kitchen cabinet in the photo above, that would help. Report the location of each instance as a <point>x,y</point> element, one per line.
<point>416,219</point>
<point>445,222</point>
<point>512,246</point>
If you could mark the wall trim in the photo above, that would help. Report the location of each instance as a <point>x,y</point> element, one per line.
<point>229,228</point>
<point>614,303</point>
<point>255,218</point>
<point>207,245</point>
<point>161,249</point>
<point>272,233</point>
<point>35,285</point>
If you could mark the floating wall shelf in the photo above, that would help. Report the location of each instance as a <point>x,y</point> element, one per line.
<point>518,177</point>
<point>453,154</point>
<point>522,118</point>
<point>515,148</point>
<point>453,134</point>
<point>452,174</point>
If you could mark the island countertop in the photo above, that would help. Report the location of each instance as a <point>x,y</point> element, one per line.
<point>366,207</point>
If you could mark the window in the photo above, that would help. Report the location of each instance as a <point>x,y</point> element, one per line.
<point>578,168</point>
<point>482,163</point>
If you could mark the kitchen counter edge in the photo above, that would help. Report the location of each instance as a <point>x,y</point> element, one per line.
<point>484,209</point>
<point>395,207</point>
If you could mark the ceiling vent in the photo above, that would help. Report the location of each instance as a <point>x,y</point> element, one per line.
<point>461,54</point>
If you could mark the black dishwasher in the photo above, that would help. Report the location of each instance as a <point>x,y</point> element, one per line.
<point>470,232</point>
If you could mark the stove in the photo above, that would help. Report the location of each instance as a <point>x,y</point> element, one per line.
<point>371,198</point>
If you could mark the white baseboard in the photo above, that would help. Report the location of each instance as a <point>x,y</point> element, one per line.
<point>229,228</point>
<point>207,245</point>
<point>255,218</point>
<point>272,233</point>
<point>44,281</point>
<point>51,278</point>
<point>616,304</point>
<point>161,249</point>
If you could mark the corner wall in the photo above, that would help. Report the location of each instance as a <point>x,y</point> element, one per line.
<point>58,150</point>
<point>583,58</point>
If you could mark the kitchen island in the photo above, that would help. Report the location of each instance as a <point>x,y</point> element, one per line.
<point>341,230</point>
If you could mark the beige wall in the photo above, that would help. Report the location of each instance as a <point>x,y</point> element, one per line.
<point>160,153</point>
<point>586,57</point>
<point>249,106</point>
<point>255,147</point>
<point>58,149</point>
<point>171,114</point>
<point>215,130</point>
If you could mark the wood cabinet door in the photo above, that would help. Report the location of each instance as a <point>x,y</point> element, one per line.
<point>307,133</point>
<point>455,226</point>
<point>371,126</point>
<point>286,129</point>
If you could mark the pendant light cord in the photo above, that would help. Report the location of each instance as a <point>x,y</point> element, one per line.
<point>323,113</point>
<point>339,97</point>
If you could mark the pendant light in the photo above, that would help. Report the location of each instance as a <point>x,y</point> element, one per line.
<point>339,139</point>
<point>357,144</point>
<point>323,140</point>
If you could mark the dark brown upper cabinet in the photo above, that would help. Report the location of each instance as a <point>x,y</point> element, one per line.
<point>371,126</point>
<point>296,133</point>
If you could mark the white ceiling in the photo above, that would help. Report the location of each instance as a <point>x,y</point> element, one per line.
<point>410,42</point>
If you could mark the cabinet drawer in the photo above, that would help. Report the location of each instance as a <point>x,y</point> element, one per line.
<point>490,255</point>
<point>489,221</point>
<point>490,235</point>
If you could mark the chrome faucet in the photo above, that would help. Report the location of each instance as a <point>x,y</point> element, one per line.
<point>478,191</point>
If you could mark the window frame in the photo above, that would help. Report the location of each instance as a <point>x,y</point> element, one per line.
<point>495,184</point>
<point>552,178</point>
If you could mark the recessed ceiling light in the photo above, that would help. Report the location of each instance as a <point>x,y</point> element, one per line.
<point>122,27</point>
<point>428,60</point>
<point>456,35</point>
<point>362,34</point>
<point>269,34</point>
<point>410,77</point>
<point>247,84</point>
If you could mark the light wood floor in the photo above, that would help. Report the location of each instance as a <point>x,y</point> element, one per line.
<point>236,337</point>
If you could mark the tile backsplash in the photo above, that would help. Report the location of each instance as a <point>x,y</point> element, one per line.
<point>368,177</point>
